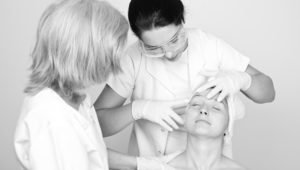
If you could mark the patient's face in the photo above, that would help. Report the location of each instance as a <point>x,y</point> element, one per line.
<point>206,116</point>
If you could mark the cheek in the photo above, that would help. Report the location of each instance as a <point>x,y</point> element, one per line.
<point>188,123</point>
<point>221,122</point>
<point>189,119</point>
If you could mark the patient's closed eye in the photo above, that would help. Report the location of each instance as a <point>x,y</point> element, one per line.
<point>196,106</point>
<point>218,107</point>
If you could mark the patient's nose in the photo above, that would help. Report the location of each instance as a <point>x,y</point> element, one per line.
<point>203,112</point>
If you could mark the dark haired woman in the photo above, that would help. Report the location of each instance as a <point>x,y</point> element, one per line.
<point>164,67</point>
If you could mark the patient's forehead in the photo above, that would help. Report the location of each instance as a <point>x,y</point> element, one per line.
<point>202,96</point>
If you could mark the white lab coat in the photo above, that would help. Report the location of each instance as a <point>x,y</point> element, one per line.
<point>148,78</point>
<point>51,135</point>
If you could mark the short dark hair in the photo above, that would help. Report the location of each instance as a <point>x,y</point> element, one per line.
<point>147,14</point>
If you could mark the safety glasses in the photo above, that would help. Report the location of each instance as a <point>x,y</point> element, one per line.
<point>174,45</point>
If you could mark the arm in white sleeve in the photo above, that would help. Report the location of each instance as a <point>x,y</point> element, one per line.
<point>261,88</point>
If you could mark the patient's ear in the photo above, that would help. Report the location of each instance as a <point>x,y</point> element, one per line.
<point>226,133</point>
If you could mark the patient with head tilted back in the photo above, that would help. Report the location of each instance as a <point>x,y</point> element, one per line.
<point>208,124</point>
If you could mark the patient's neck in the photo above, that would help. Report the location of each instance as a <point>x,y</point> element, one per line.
<point>204,152</point>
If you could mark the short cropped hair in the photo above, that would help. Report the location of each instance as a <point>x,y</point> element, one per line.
<point>145,15</point>
<point>79,43</point>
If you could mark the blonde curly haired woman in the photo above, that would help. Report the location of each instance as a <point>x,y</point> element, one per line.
<point>79,43</point>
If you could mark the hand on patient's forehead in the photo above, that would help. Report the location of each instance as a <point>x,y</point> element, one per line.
<point>201,96</point>
<point>205,93</point>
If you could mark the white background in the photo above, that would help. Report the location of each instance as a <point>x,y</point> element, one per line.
<point>267,31</point>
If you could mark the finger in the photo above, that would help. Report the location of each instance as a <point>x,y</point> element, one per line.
<point>179,103</point>
<point>179,110</point>
<point>206,86</point>
<point>180,106</point>
<point>165,125</point>
<point>222,96</point>
<point>176,117</point>
<point>214,92</point>
<point>170,121</point>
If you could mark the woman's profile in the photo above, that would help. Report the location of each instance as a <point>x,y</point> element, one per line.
<point>79,43</point>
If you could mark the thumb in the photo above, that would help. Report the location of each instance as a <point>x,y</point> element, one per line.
<point>177,104</point>
<point>209,84</point>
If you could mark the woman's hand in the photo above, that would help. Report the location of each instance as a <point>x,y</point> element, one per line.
<point>160,112</point>
<point>226,83</point>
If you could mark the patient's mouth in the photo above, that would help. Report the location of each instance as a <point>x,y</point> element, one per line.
<point>203,121</point>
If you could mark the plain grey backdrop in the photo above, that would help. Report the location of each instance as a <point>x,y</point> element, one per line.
<point>267,31</point>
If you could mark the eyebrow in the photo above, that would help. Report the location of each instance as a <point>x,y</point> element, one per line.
<point>194,101</point>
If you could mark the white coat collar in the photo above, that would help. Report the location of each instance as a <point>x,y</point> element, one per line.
<point>157,69</point>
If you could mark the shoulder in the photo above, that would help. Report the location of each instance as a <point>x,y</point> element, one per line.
<point>39,115</point>
<point>44,107</point>
<point>208,40</point>
<point>200,35</point>
<point>134,51</point>
<point>132,57</point>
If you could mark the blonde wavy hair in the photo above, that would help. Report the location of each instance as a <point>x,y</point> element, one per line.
<point>79,43</point>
